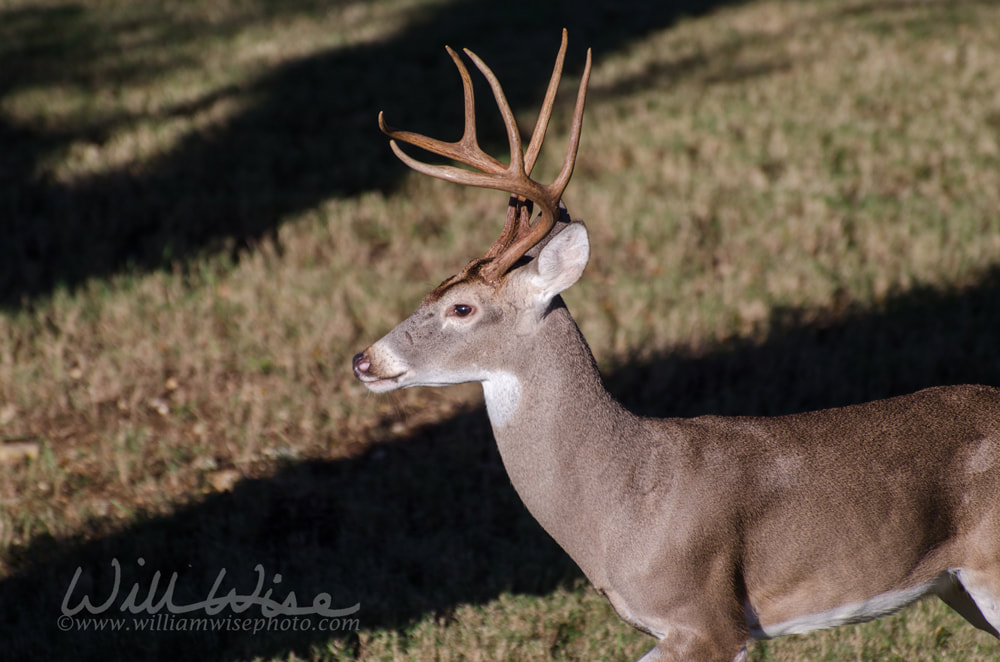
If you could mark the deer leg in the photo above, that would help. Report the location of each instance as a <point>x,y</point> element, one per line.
<point>958,599</point>
<point>977,598</point>
<point>667,651</point>
<point>688,632</point>
<point>701,637</point>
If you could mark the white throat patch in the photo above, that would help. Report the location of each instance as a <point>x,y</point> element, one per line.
<point>502,392</point>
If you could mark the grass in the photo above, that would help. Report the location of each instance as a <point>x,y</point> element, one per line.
<point>792,205</point>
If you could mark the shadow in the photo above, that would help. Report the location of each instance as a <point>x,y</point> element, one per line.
<point>305,131</point>
<point>925,337</point>
<point>422,525</point>
<point>412,527</point>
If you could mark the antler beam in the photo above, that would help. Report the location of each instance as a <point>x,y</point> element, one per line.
<point>518,235</point>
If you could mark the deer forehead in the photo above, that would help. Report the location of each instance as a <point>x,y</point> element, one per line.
<point>510,293</point>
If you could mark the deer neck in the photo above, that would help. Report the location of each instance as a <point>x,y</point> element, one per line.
<point>552,419</point>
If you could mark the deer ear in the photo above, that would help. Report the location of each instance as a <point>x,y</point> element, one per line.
<point>560,263</point>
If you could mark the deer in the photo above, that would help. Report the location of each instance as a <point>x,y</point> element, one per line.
<point>706,532</point>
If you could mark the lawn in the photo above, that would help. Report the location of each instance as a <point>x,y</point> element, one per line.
<point>792,205</point>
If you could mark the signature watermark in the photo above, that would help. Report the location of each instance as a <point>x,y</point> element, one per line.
<point>153,610</point>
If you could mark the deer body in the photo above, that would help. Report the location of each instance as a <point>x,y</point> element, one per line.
<point>705,532</point>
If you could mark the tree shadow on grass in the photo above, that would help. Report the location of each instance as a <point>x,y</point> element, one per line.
<point>306,130</point>
<point>924,337</point>
<point>421,525</point>
<point>413,527</point>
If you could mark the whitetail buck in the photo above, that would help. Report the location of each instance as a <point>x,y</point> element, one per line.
<point>703,532</point>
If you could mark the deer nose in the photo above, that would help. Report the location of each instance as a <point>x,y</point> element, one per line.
<point>362,364</point>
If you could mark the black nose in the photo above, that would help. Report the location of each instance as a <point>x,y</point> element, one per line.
<point>361,363</point>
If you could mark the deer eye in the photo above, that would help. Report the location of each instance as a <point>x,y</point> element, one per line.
<point>461,310</point>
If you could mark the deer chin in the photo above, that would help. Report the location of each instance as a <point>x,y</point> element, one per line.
<point>406,377</point>
<point>377,384</point>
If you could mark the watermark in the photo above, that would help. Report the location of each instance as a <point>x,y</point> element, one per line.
<point>171,623</point>
<point>151,610</point>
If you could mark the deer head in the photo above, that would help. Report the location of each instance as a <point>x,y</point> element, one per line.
<point>467,329</point>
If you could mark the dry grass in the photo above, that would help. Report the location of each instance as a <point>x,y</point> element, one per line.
<point>792,205</point>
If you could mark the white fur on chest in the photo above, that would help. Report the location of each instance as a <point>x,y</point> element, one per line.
<point>502,392</point>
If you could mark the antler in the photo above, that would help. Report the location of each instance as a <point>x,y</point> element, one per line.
<point>518,235</point>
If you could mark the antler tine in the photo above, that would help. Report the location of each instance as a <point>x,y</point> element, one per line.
<point>493,173</point>
<point>464,150</point>
<point>516,167</point>
<point>542,123</point>
<point>518,218</point>
<point>576,129</point>
<point>518,211</point>
<point>450,173</point>
<point>552,193</point>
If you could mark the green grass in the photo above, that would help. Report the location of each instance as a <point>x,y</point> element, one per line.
<point>792,205</point>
